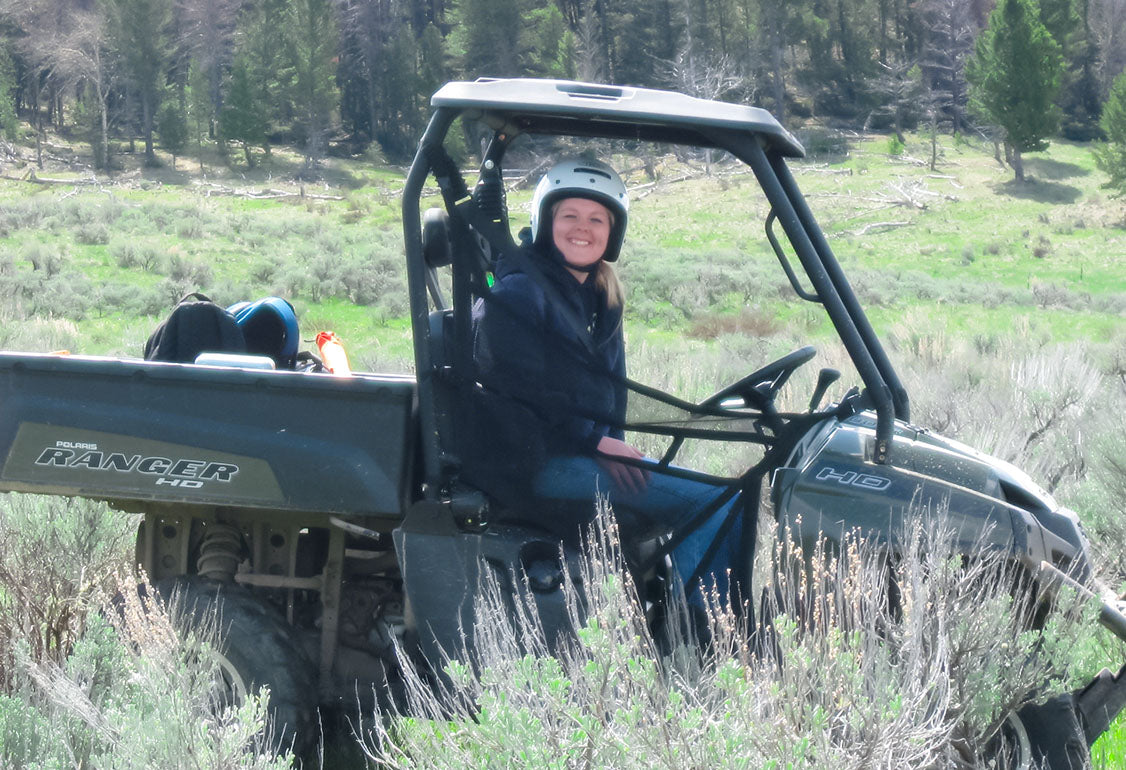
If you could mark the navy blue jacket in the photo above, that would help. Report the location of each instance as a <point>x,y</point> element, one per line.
<point>563,399</point>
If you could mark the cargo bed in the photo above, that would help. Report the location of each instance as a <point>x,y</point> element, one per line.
<point>133,430</point>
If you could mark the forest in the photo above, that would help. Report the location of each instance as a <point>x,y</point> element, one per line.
<point>354,76</point>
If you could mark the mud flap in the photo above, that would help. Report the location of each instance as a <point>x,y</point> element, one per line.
<point>1100,702</point>
<point>1055,735</point>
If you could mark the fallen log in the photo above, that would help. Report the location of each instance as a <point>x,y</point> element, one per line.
<point>866,229</point>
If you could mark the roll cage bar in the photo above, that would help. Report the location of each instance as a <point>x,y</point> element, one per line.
<point>565,108</point>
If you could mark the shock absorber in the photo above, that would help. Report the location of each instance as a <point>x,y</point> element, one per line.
<point>220,552</point>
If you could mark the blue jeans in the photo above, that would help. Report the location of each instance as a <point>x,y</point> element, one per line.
<point>666,504</point>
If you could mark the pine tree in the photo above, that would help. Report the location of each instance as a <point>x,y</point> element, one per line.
<point>172,125</point>
<point>199,105</point>
<point>1067,21</point>
<point>1015,74</point>
<point>140,27</point>
<point>485,37</point>
<point>8,120</point>
<point>267,48</point>
<point>311,52</point>
<point>244,117</point>
<point>551,44</point>
<point>1111,155</point>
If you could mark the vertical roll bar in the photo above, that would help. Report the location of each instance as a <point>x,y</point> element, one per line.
<point>844,290</point>
<point>419,306</point>
<point>751,152</point>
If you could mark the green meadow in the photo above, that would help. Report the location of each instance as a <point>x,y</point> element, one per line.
<point>1003,306</point>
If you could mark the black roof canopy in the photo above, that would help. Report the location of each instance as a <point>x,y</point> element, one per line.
<point>614,112</point>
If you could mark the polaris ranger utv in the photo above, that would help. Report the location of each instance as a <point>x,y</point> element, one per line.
<point>334,517</point>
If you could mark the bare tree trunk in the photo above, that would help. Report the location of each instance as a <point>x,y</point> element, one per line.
<point>103,98</point>
<point>38,122</point>
<point>777,63</point>
<point>1017,164</point>
<point>146,127</point>
<point>934,139</point>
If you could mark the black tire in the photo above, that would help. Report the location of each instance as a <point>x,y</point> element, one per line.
<point>1055,734</point>
<point>257,648</point>
<point>1043,736</point>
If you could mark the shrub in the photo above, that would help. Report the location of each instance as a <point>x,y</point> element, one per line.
<point>186,270</point>
<point>23,214</point>
<point>822,141</point>
<point>55,554</point>
<point>45,258</point>
<point>190,225</point>
<point>838,677</point>
<point>132,253</point>
<point>747,322</point>
<point>92,233</point>
<point>134,693</point>
<point>67,295</point>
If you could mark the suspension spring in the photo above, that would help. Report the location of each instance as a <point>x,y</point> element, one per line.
<point>220,552</point>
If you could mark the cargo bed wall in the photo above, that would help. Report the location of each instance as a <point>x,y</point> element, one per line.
<point>122,429</point>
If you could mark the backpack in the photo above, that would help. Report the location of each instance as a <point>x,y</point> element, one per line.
<point>196,325</point>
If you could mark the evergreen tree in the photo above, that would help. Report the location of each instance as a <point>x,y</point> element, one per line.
<point>486,37</point>
<point>8,120</point>
<point>266,47</point>
<point>551,44</point>
<point>400,113</point>
<point>1067,21</point>
<point>207,33</point>
<point>172,125</point>
<point>1015,74</point>
<point>644,34</point>
<point>431,60</point>
<point>199,104</point>
<point>140,27</point>
<point>948,30</point>
<point>244,116</point>
<point>1111,154</point>
<point>311,52</point>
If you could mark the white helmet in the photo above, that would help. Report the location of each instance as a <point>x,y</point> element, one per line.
<point>581,179</point>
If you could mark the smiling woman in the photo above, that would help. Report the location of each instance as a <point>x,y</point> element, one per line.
<point>550,351</point>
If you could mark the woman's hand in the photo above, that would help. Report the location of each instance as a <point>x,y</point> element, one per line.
<point>628,478</point>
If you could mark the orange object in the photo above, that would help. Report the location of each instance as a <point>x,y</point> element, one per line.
<point>332,353</point>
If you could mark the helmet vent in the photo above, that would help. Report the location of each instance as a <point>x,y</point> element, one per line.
<point>595,171</point>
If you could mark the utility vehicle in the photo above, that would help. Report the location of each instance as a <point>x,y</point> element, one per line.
<point>332,517</point>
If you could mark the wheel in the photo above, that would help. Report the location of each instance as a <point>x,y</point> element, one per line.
<point>1055,734</point>
<point>257,648</point>
<point>1045,735</point>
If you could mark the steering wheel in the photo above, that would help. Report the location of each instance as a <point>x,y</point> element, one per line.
<point>759,388</point>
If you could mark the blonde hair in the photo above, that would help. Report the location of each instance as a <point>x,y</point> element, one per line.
<point>606,281</point>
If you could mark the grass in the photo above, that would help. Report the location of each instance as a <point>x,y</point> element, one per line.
<point>992,299</point>
<point>966,239</point>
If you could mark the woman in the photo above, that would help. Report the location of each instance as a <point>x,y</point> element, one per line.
<point>548,341</point>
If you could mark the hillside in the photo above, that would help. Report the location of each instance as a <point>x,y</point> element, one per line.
<point>963,246</point>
